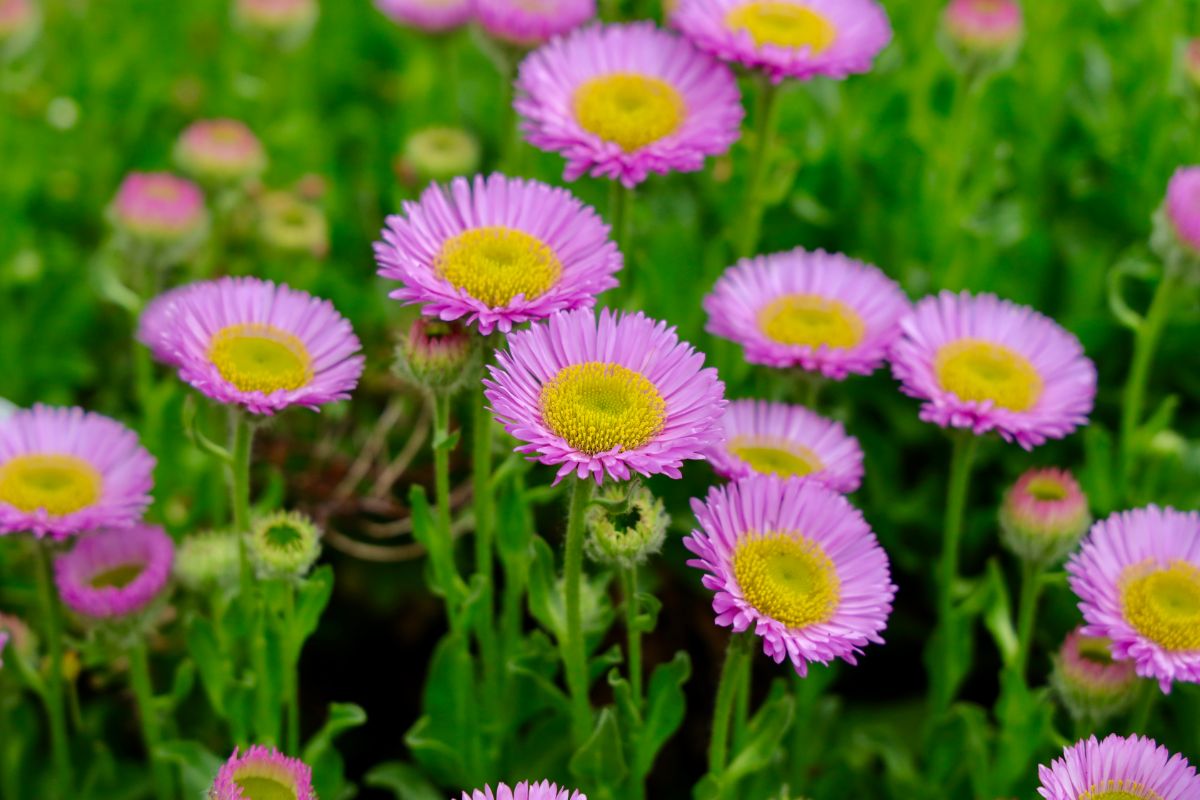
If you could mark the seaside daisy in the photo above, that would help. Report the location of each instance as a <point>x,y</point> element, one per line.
<point>262,773</point>
<point>262,346</point>
<point>525,791</point>
<point>1118,768</point>
<point>498,251</point>
<point>20,21</point>
<point>823,312</point>
<point>1089,682</point>
<point>64,471</point>
<point>154,323</point>
<point>1137,577</point>
<point>433,16</point>
<point>220,152</point>
<point>1043,515</point>
<point>612,395</point>
<point>987,364</point>
<point>796,561</point>
<point>789,441</point>
<point>115,572</point>
<point>158,208</point>
<point>1176,235</point>
<point>788,38</point>
<point>528,23</point>
<point>622,101</point>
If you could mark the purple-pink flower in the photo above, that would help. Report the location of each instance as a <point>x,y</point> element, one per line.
<point>64,471</point>
<point>983,25</point>
<point>1118,767</point>
<point>262,772</point>
<point>611,396</point>
<point>528,23</point>
<point>498,251</point>
<point>158,206</point>
<point>795,561</point>
<point>1137,577</point>
<point>1183,206</point>
<point>525,791</point>
<point>434,16</point>
<point>623,101</point>
<point>115,572</point>
<point>220,151</point>
<point>822,312</point>
<point>986,364</point>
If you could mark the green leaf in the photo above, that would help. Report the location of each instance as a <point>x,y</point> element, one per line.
<point>665,709</point>
<point>1098,475</point>
<point>997,614</point>
<point>600,761</point>
<point>449,703</point>
<point>763,736</point>
<point>514,530</point>
<point>319,753</point>
<point>213,667</point>
<point>197,765</point>
<point>312,597</point>
<point>182,684</point>
<point>545,601</point>
<point>403,780</point>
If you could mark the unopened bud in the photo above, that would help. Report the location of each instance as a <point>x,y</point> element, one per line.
<point>626,525</point>
<point>284,544</point>
<point>441,357</point>
<point>220,152</point>
<point>1090,683</point>
<point>1044,515</point>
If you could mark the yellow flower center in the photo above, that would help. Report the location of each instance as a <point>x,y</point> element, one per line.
<point>1163,604</point>
<point>782,24</point>
<point>792,460</point>
<point>260,358</point>
<point>57,484</point>
<point>1120,790</point>
<point>788,577</point>
<point>597,406</point>
<point>979,371</point>
<point>629,110</point>
<point>117,577</point>
<point>1046,489</point>
<point>811,320</point>
<point>1096,650</point>
<point>260,788</point>
<point>495,264</point>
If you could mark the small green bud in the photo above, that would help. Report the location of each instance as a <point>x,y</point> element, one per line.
<point>441,357</point>
<point>207,560</point>
<point>626,524</point>
<point>284,544</point>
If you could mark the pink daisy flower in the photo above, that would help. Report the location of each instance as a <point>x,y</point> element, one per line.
<point>220,151</point>
<point>822,312</point>
<point>987,364</point>
<point>794,559</point>
<point>983,25</point>
<point>608,396</point>
<point>788,38</point>
<point>154,323</point>
<point>159,207</point>
<point>434,16</point>
<point>64,471</point>
<point>1118,767</point>
<point>262,772</point>
<point>1183,206</point>
<point>622,101</point>
<point>115,572</point>
<point>525,791</point>
<point>768,438</point>
<point>528,23</point>
<point>1137,578</point>
<point>249,342</point>
<point>498,251</point>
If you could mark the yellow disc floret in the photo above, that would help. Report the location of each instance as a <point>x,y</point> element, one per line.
<point>811,320</point>
<point>1120,790</point>
<point>1163,603</point>
<point>117,577</point>
<point>629,110</point>
<point>495,264</point>
<point>979,371</point>
<point>596,406</point>
<point>56,484</point>
<point>772,458</point>
<point>782,24</point>
<point>255,787</point>
<point>788,577</point>
<point>260,358</point>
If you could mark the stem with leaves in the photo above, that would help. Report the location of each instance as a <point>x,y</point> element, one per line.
<point>965,444</point>
<point>53,696</point>
<point>143,692</point>
<point>574,650</point>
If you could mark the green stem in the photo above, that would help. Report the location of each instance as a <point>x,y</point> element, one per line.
<point>441,551</point>
<point>736,661</point>
<point>1031,588</point>
<point>53,696</point>
<point>620,199</point>
<point>1140,718</point>
<point>143,691</point>
<point>813,383</point>
<point>291,674</point>
<point>485,518</point>
<point>241,440</point>
<point>741,706</point>
<point>957,150</point>
<point>961,460</point>
<point>633,656</point>
<point>574,651</point>
<point>764,139</point>
<point>1145,342</point>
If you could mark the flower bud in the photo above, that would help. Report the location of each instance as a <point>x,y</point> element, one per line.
<point>208,560</point>
<point>1176,236</point>
<point>284,544</point>
<point>982,33</point>
<point>438,154</point>
<point>19,25</point>
<point>1044,515</point>
<point>284,23</point>
<point>158,217</point>
<point>220,152</point>
<point>625,526</point>
<point>15,638</point>
<point>441,357</point>
<point>1091,685</point>
<point>290,226</point>
<point>1191,62</point>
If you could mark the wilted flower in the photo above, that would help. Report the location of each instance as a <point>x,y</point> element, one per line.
<point>1044,515</point>
<point>283,545</point>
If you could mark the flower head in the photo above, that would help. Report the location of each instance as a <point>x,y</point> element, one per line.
<point>115,572</point>
<point>433,16</point>
<point>498,251</point>
<point>287,23</point>
<point>1176,236</point>
<point>794,559</point>
<point>207,560</point>
<point>987,364</point>
<point>822,312</point>
<point>154,323</point>
<point>439,154</point>
<point>284,545</point>
<point>158,208</point>
<point>262,773</point>
<point>622,101</point>
<point>528,23</point>
<point>768,438</point>
<point>64,471</point>
<point>292,226</point>
<point>1137,578</point>
<point>1118,768</point>
<point>1090,683</point>
<point>1044,515</point>
<point>608,396</point>
<point>19,24</point>
<point>983,25</point>
<point>627,526</point>
<point>788,38</point>
<point>249,342</point>
<point>524,791</point>
<point>441,357</point>
<point>1191,61</point>
<point>220,152</point>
